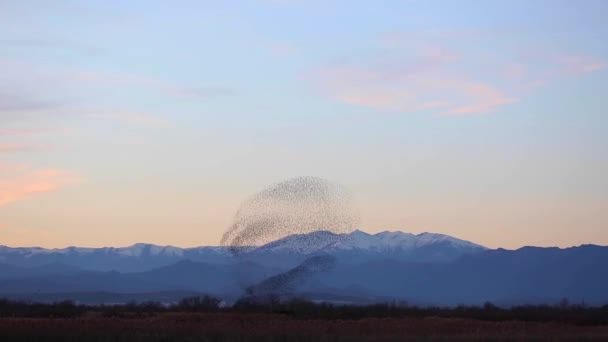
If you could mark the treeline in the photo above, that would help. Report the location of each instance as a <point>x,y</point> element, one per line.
<point>67,309</point>
<point>562,312</point>
<point>303,309</point>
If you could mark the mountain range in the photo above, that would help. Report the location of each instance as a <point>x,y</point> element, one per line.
<point>293,248</point>
<point>425,268</point>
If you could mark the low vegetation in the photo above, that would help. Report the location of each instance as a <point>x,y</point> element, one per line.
<point>206,319</point>
<point>563,312</point>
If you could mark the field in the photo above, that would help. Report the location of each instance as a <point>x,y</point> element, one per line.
<point>230,326</point>
<point>204,319</point>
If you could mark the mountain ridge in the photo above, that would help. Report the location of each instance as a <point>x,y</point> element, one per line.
<point>288,251</point>
<point>145,244</point>
<point>154,246</point>
<point>141,249</point>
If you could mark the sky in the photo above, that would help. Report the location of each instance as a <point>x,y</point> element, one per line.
<point>151,121</point>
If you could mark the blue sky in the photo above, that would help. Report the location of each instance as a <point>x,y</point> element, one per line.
<point>150,121</point>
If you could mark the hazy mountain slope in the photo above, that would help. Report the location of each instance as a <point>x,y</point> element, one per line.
<point>539,274</point>
<point>525,275</point>
<point>8,271</point>
<point>184,275</point>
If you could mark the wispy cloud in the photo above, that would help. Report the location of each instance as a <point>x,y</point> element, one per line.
<point>10,147</point>
<point>25,131</point>
<point>34,43</point>
<point>25,90</point>
<point>20,182</point>
<point>7,168</point>
<point>281,2</point>
<point>422,85</point>
<point>542,70</point>
<point>444,79</point>
<point>165,87</point>
<point>15,138</point>
<point>576,64</point>
<point>132,118</point>
<point>12,100</point>
<point>484,98</point>
<point>274,48</point>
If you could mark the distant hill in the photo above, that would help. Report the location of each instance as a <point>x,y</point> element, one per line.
<point>524,276</point>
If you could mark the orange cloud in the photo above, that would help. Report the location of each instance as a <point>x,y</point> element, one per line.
<point>18,182</point>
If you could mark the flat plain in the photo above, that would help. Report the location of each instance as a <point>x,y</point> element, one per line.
<point>220,326</point>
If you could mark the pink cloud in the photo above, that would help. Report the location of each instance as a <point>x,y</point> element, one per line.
<point>407,89</point>
<point>485,99</point>
<point>21,182</point>
<point>431,74</point>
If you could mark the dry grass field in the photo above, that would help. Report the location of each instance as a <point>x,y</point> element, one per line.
<point>222,326</point>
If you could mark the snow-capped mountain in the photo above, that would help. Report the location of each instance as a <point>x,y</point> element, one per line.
<point>138,257</point>
<point>301,243</point>
<point>137,250</point>
<point>403,241</point>
<point>358,244</point>
<point>362,242</point>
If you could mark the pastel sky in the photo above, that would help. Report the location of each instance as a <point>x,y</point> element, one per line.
<point>150,121</point>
